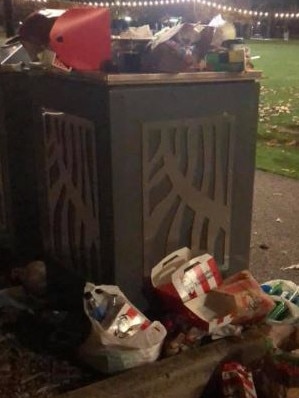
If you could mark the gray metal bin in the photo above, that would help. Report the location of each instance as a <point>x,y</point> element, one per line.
<point>124,171</point>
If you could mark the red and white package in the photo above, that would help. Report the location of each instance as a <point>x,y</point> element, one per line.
<point>162,273</point>
<point>182,284</point>
<point>241,296</point>
<point>127,322</point>
<point>196,277</point>
<point>237,381</point>
<point>56,63</point>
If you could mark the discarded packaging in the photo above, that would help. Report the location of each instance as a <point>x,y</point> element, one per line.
<point>137,33</point>
<point>286,296</point>
<point>223,30</point>
<point>81,38</point>
<point>178,49</point>
<point>226,331</point>
<point>35,31</point>
<point>237,381</point>
<point>183,285</point>
<point>226,60</point>
<point>241,296</point>
<point>77,38</point>
<point>284,311</point>
<point>281,368</point>
<point>124,338</point>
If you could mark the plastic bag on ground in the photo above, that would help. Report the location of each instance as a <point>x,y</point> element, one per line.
<point>285,293</point>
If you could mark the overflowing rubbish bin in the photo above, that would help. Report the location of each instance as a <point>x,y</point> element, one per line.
<point>142,183</point>
<point>111,173</point>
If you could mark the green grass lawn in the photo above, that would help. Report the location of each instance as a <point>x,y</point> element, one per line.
<point>278,133</point>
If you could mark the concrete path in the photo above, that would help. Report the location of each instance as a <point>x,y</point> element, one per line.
<point>275,225</point>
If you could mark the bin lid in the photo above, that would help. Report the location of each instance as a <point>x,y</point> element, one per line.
<point>81,38</point>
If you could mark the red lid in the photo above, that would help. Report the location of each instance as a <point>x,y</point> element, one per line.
<point>81,38</point>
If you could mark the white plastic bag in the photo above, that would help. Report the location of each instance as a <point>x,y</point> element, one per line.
<point>287,286</point>
<point>112,353</point>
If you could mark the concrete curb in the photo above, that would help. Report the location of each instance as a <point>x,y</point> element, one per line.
<point>181,376</point>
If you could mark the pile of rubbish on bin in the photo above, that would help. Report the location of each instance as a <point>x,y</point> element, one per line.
<point>80,39</point>
<point>51,319</point>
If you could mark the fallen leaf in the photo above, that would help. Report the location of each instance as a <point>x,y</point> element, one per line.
<point>294,266</point>
<point>273,142</point>
<point>291,143</point>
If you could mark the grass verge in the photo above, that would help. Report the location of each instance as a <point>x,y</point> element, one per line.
<point>278,132</point>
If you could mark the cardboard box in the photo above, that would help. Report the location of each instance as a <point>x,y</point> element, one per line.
<point>182,285</point>
<point>161,277</point>
<point>241,296</point>
<point>196,277</point>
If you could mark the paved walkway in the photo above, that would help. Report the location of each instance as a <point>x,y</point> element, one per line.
<point>275,225</point>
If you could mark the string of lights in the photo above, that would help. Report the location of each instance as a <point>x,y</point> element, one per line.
<point>207,3</point>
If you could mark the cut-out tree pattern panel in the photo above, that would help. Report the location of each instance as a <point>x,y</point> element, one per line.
<point>187,186</point>
<point>72,190</point>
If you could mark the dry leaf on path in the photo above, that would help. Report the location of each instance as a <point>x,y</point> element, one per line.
<point>294,266</point>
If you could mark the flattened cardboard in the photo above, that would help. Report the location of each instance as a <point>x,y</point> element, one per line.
<point>241,296</point>
<point>204,317</point>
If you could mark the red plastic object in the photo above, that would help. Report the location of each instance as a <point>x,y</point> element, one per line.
<point>81,38</point>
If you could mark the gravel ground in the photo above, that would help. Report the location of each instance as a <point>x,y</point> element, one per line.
<point>275,226</point>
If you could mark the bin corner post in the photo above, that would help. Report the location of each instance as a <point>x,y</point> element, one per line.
<point>8,18</point>
<point>244,173</point>
<point>5,228</point>
<point>21,164</point>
